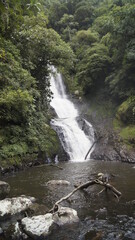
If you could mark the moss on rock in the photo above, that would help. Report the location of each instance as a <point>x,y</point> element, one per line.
<point>126,111</point>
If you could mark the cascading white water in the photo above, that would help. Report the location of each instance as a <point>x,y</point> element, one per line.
<point>73,139</point>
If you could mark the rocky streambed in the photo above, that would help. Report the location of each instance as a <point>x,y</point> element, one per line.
<point>20,220</point>
<point>84,216</point>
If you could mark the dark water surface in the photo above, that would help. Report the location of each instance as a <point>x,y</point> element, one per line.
<point>33,181</point>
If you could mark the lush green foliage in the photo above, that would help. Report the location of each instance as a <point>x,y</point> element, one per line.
<point>102,35</point>
<point>126,111</point>
<point>27,48</point>
<point>107,26</point>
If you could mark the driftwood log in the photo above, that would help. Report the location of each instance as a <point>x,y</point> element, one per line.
<point>90,150</point>
<point>106,186</point>
<point>54,165</point>
<point>92,147</point>
<point>51,165</point>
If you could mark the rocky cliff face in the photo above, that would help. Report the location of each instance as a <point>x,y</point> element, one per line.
<point>110,146</point>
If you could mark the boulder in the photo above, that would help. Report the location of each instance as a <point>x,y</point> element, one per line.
<point>58,182</point>
<point>18,234</point>
<point>13,231</point>
<point>4,189</point>
<point>65,216</point>
<point>1,231</point>
<point>39,227</point>
<point>12,206</point>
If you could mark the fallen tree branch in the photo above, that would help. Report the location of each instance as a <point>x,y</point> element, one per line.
<point>92,147</point>
<point>109,186</point>
<point>101,191</point>
<point>90,150</point>
<point>53,165</point>
<point>86,185</point>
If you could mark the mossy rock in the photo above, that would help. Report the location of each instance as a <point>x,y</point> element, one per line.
<point>128,134</point>
<point>126,111</point>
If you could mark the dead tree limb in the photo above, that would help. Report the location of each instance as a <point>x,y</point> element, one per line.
<point>53,165</point>
<point>86,185</point>
<point>90,150</point>
<point>82,186</point>
<point>101,191</point>
<point>92,147</point>
<point>109,186</point>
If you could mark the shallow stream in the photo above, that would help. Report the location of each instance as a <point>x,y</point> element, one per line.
<point>102,210</point>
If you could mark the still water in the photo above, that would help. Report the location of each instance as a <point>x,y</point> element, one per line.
<point>33,181</point>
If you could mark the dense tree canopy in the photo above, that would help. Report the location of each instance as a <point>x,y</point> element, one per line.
<point>106,22</point>
<point>27,48</point>
<point>102,36</point>
<point>97,51</point>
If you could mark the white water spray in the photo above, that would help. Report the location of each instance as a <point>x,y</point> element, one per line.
<point>72,137</point>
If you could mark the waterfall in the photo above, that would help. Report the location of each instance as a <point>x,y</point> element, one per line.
<point>73,139</point>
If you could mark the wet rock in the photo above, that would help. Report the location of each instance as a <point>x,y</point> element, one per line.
<point>37,209</point>
<point>117,228</point>
<point>18,234</point>
<point>93,229</point>
<point>106,149</point>
<point>9,232</point>
<point>106,153</point>
<point>14,232</point>
<point>11,169</point>
<point>4,189</point>
<point>100,229</point>
<point>39,227</point>
<point>93,235</point>
<point>101,213</point>
<point>131,203</point>
<point>65,216</point>
<point>1,231</point>
<point>12,206</point>
<point>86,127</point>
<point>114,235</point>
<point>58,182</point>
<point>129,235</point>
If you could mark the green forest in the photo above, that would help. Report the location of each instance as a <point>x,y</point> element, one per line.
<point>91,42</point>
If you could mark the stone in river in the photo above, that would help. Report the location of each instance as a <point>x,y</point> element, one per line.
<point>39,227</point>
<point>4,189</point>
<point>65,216</point>
<point>58,182</point>
<point>12,206</point>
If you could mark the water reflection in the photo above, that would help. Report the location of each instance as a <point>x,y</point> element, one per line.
<point>33,182</point>
<point>88,205</point>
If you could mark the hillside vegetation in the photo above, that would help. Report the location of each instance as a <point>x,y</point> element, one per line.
<point>27,47</point>
<point>92,42</point>
<point>102,36</point>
